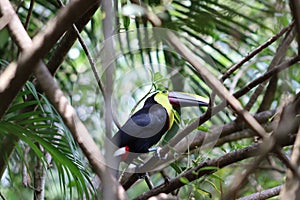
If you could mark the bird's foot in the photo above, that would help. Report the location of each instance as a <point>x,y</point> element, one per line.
<point>157,153</point>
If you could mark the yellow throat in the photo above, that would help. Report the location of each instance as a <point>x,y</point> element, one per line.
<point>162,99</point>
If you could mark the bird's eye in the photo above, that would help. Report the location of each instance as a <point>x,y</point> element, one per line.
<point>165,91</point>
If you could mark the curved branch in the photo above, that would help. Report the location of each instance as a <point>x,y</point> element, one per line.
<point>265,194</point>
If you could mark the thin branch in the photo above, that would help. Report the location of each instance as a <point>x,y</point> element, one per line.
<point>235,137</point>
<point>266,76</point>
<point>91,61</point>
<point>277,59</point>
<point>256,51</point>
<point>281,51</point>
<point>29,14</point>
<point>264,194</point>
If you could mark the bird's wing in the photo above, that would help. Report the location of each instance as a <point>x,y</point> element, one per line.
<point>144,124</point>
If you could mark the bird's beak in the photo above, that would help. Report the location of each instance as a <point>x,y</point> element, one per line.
<point>181,99</point>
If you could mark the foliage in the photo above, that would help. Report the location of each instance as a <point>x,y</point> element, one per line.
<point>42,130</point>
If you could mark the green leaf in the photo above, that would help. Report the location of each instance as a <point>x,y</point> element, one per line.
<point>176,116</point>
<point>203,128</point>
<point>19,106</point>
<point>184,180</point>
<point>209,168</point>
<point>176,167</point>
<point>157,77</point>
<point>216,177</point>
<point>204,192</point>
<point>69,167</point>
<point>126,22</point>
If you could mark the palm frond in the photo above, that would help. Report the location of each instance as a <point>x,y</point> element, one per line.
<point>43,126</point>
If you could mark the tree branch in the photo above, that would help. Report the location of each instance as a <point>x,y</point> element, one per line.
<point>29,14</point>
<point>68,40</point>
<point>256,51</point>
<point>196,172</point>
<point>265,194</point>
<point>15,75</point>
<point>277,59</point>
<point>291,187</point>
<point>295,7</point>
<point>288,124</point>
<point>266,76</point>
<point>214,83</point>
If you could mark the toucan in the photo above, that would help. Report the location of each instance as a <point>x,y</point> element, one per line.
<point>146,127</point>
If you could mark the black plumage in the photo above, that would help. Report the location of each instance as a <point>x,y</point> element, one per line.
<point>144,128</point>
